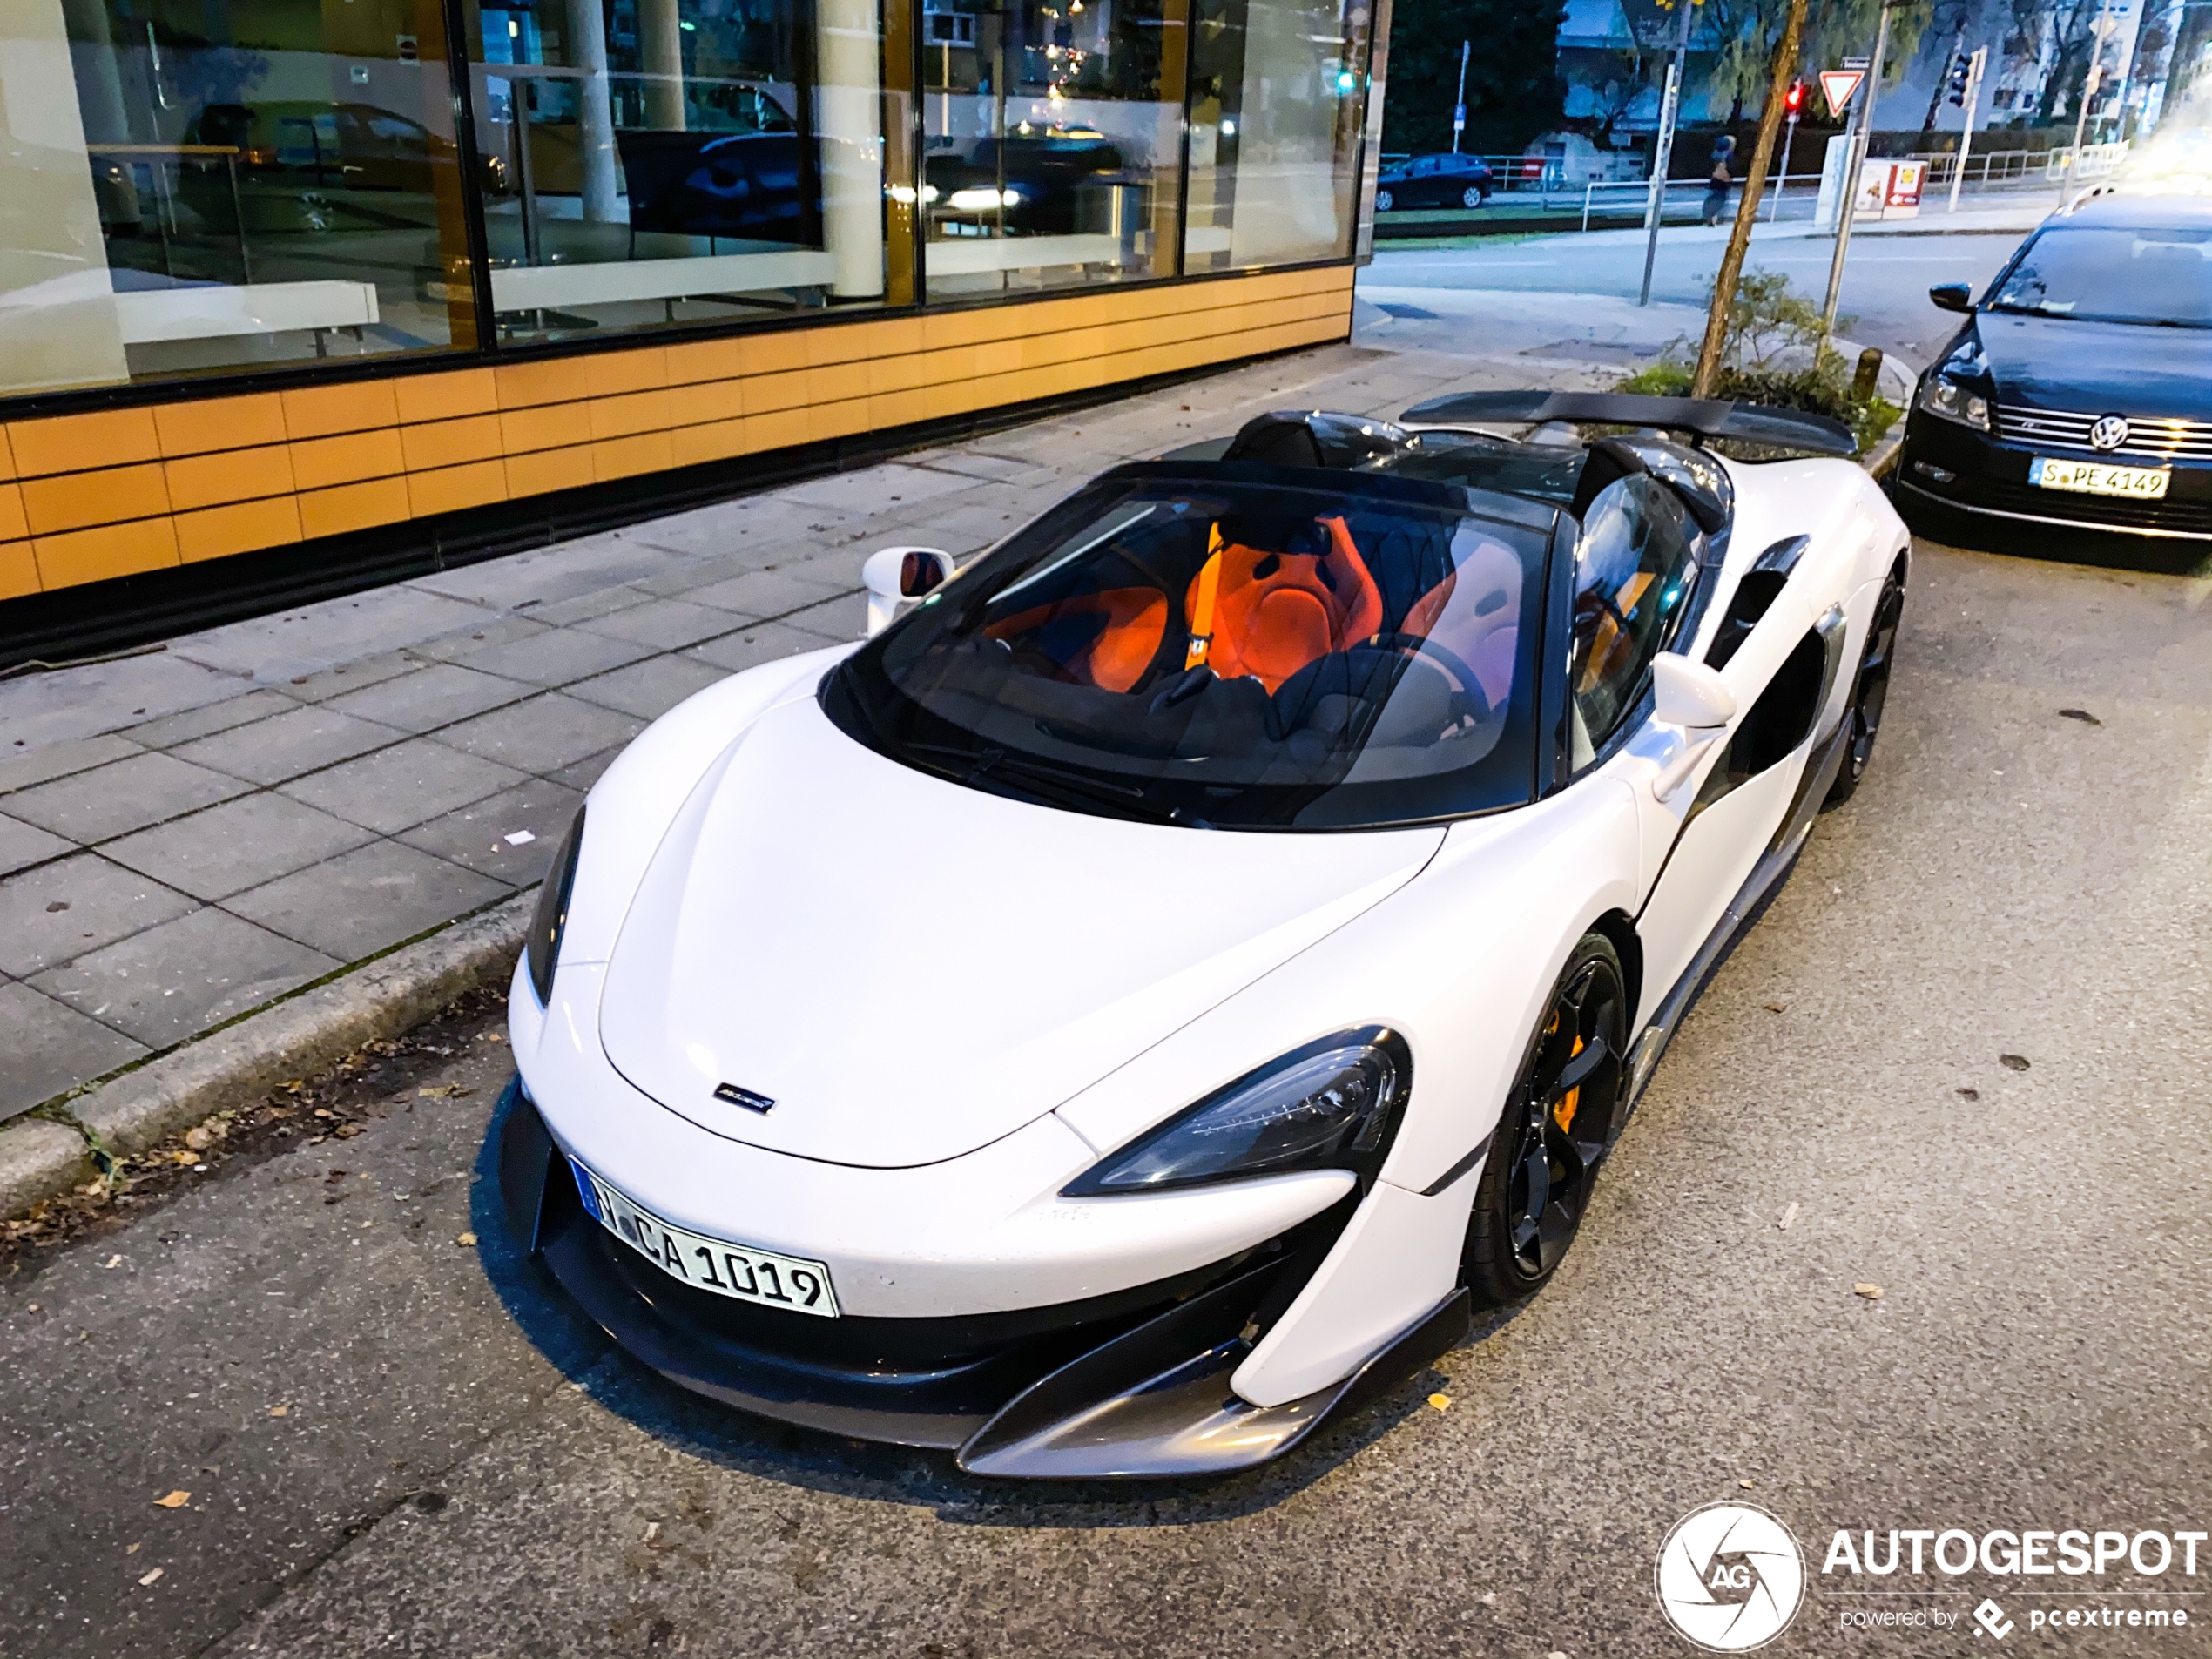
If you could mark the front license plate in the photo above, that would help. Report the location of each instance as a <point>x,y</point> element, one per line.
<point>2096,478</point>
<point>737,1272</point>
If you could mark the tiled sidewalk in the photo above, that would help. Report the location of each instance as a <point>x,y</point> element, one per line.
<point>188,835</point>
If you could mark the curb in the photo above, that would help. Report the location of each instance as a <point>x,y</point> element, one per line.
<point>41,1157</point>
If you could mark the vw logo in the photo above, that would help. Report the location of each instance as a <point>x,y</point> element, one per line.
<point>1730,1577</point>
<point>2109,432</point>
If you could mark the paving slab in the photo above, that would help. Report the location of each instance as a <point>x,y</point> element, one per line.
<point>543,735</point>
<point>22,765</point>
<point>580,775</point>
<point>649,689</point>
<point>209,718</point>
<point>81,702</point>
<point>877,489</point>
<point>399,787</point>
<point>365,900</point>
<point>769,593</point>
<point>284,745</point>
<point>238,845</point>
<point>321,685</point>
<point>554,657</point>
<point>22,845</point>
<point>53,1047</point>
<point>497,632</point>
<point>482,836</point>
<point>763,642</point>
<point>179,978</point>
<point>665,624</point>
<point>583,566</point>
<point>842,618</point>
<point>271,650</point>
<point>560,613</point>
<point>122,796</point>
<point>435,695</point>
<point>54,913</point>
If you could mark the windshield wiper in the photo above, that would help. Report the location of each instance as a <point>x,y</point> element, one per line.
<point>991,763</point>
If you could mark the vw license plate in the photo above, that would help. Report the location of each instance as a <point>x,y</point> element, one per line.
<point>2097,478</point>
<point>737,1272</point>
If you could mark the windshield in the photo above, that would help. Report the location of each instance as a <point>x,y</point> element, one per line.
<point>2147,276</point>
<point>1216,645</point>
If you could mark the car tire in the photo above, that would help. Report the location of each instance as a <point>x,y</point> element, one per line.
<point>1544,1157</point>
<point>1869,690</point>
<point>1472,196</point>
<point>1385,200</point>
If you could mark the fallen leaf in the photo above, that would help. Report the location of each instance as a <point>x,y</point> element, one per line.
<point>197,1138</point>
<point>1778,1007</point>
<point>279,1410</point>
<point>1789,1216</point>
<point>465,1239</point>
<point>1871,1292</point>
<point>132,1549</point>
<point>1442,1402</point>
<point>150,1577</point>
<point>1969,1094</point>
<point>2013,1062</point>
<point>2082,715</point>
<point>324,1111</point>
<point>446,1091</point>
<point>176,1500</point>
<point>346,1132</point>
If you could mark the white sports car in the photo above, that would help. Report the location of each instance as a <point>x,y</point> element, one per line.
<point>1134,1004</point>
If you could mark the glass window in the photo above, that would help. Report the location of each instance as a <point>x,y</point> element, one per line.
<point>1206,645</point>
<point>1275,117</point>
<point>197,185</point>
<point>1632,570</point>
<point>667,161</point>
<point>1052,147</point>
<point>2094,274</point>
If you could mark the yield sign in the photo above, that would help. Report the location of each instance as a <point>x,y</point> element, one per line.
<point>1838,85</point>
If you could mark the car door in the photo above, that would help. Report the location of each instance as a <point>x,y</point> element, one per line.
<point>1722,812</point>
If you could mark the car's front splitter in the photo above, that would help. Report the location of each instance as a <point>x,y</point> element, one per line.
<point>1134,1384</point>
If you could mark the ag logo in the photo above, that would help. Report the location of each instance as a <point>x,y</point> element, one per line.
<point>1730,1577</point>
<point>2109,432</point>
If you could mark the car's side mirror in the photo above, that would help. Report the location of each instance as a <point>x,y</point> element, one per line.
<point>1685,692</point>
<point>1952,296</point>
<point>896,576</point>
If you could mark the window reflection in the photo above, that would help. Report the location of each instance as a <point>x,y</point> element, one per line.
<point>680,160</point>
<point>1052,142</point>
<point>1275,113</point>
<point>233,183</point>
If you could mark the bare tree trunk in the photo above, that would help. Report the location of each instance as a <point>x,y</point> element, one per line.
<point>1747,209</point>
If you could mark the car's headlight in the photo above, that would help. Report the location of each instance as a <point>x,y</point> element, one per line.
<point>1943,396</point>
<point>1330,1105</point>
<point>552,919</point>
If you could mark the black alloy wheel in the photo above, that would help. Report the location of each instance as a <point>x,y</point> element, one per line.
<point>1543,1161</point>
<point>1869,691</point>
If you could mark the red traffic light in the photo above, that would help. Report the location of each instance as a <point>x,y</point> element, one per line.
<point>1794,99</point>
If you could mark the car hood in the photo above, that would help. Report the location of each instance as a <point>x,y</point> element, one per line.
<point>911,969</point>
<point>2093,368</point>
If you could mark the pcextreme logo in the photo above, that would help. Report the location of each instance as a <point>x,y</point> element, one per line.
<point>1730,1577</point>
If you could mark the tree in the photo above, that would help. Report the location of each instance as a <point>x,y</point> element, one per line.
<point>1745,33</point>
<point>1513,89</point>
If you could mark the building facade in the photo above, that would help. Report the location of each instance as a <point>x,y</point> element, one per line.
<point>289,287</point>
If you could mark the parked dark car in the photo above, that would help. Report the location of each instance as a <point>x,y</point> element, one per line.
<point>750,185</point>
<point>2079,392</point>
<point>1434,181</point>
<point>1047,183</point>
<point>303,165</point>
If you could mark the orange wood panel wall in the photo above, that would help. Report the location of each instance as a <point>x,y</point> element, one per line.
<point>83,498</point>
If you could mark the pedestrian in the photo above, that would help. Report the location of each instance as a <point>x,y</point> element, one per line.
<point>1720,181</point>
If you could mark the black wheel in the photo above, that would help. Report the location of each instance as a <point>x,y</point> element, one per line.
<point>1385,200</point>
<point>1536,1181</point>
<point>1870,692</point>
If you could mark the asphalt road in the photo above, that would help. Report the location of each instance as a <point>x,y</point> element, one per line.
<point>459,1469</point>
<point>1886,276</point>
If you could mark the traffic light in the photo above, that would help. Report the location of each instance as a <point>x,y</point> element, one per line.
<point>1962,69</point>
<point>1793,101</point>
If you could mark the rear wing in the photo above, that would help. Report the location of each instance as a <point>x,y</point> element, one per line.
<point>1706,417</point>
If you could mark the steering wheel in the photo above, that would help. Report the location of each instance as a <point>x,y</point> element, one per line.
<point>1468,699</point>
